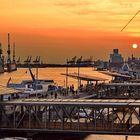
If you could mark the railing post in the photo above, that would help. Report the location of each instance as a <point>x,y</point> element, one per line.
<point>62,119</point>
<point>113,119</point>
<point>14,121</point>
<point>29,110</point>
<point>45,117</point>
<point>126,137</point>
<point>95,119</point>
<point>78,118</point>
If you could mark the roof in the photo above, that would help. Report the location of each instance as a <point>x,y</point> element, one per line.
<point>135,80</point>
<point>84,77</point>
<point>5,90</point>
<point>121,84</point>
<point>87,102</point>
<point>114,74</point>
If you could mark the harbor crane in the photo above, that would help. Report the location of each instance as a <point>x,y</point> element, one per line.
<point>79,60</point>
<point>130,20</point>
<point>72,61</point>
<point>28,60</point>
<point>88,60</point>
<point>37,60</point>
<point>18,61</point>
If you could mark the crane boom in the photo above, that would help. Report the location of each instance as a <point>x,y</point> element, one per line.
<point>130,21</point>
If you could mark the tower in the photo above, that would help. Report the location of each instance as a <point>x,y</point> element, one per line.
<point>8,51</point>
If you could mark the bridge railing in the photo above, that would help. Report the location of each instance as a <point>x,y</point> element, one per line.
<point>67,117</point>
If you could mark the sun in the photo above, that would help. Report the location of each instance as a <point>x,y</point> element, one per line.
<point>134,46</point>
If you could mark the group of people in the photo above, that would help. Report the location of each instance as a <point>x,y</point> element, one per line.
<point>62,92</point>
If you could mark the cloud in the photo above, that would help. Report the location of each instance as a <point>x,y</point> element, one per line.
<point>125,4</point>
<point>90,12</point>
<point>73,4</point>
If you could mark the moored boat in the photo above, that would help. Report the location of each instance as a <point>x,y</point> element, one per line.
<point>34,87</point>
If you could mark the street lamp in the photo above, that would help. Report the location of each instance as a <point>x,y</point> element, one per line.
<point>78,76</point>
<point>66,75</point>
<point>78,63</point>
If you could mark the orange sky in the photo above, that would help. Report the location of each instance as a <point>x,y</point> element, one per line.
<point>58,29</point>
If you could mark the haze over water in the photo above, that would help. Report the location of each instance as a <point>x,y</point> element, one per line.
<point>55,74</point>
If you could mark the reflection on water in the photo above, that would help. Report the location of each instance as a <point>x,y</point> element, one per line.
<point>111,137</point>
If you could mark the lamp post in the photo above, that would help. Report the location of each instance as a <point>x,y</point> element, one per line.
<point>78,77</point>
<point>78,63</point>
<point>66,75</point>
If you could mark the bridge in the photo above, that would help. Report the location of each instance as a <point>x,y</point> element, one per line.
<point>92,116</point>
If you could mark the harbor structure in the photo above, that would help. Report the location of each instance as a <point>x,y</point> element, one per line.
<point>10,65</point>
<point>7,94</point>
<point>116,59</point>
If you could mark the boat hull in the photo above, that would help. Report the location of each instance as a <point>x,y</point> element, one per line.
<point>10,67</point>
<point>1,69</point>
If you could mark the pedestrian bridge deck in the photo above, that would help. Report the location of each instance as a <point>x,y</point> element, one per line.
<point>99,102</point>
<point>72,116</point>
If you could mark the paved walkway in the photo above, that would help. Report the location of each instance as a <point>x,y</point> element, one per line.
<point>83,95</point>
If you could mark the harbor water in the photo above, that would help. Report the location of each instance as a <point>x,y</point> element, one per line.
<point>48,73</point>
<point>56,75</point>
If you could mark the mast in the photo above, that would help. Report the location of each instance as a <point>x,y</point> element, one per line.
<point>1,62</point>
<point>0,51</point>
<point>14,53</point>
<point>8,51</point>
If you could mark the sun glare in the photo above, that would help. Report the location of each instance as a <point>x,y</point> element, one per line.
<point>134,46</point>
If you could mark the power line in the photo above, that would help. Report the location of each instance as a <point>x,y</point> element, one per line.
<point>130,21</point>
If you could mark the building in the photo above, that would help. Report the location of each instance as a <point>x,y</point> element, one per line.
<point>116,60</point>
<point>116,57</point>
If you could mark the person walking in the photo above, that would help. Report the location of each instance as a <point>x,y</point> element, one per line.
<point>51,94</point>
<point>55,95</point>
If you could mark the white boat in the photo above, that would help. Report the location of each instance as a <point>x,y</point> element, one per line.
<point>34,87</point>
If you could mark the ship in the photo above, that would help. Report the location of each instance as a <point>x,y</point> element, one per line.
<point>10,65</point>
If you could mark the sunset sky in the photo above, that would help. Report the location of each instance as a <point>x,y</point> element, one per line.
<point>60,29</point>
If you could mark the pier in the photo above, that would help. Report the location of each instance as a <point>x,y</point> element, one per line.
<point>118,90</point>
<point>120,117</point>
